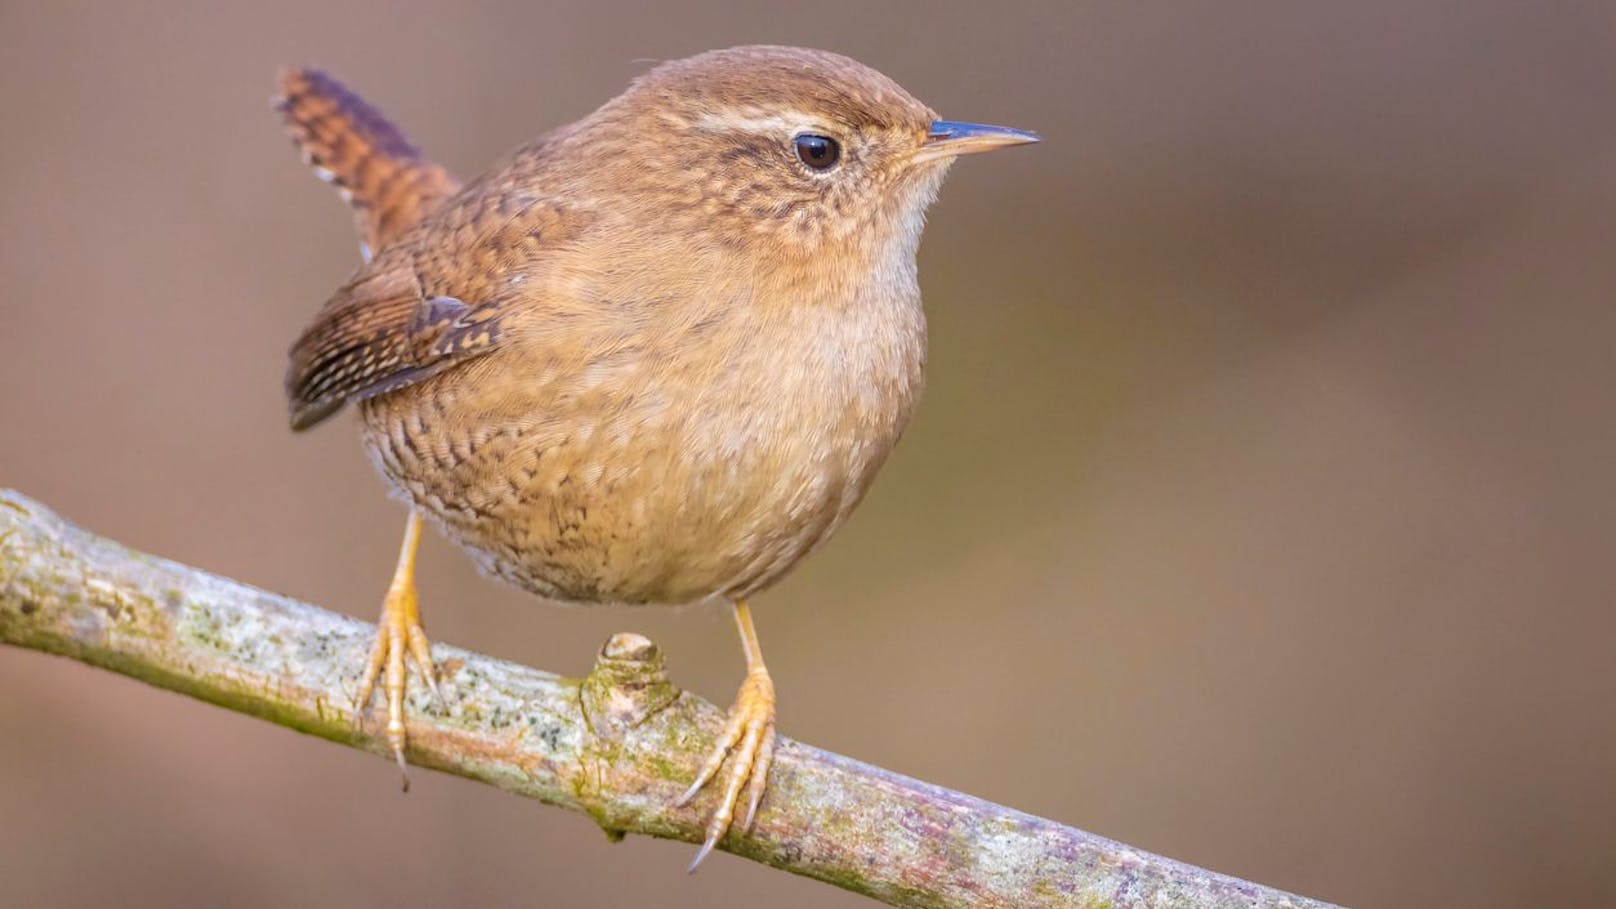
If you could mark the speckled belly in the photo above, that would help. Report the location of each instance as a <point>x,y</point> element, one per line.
<point>613,508</point>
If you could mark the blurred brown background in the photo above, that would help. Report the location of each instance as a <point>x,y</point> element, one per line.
<point>1259,513</point>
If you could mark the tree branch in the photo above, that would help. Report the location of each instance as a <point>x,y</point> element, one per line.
<point>619,745</point>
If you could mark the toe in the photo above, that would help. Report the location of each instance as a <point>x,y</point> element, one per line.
<point>715,758</point>
<point>759,777</point>
<point>421,656</point>
<point>367,677</point>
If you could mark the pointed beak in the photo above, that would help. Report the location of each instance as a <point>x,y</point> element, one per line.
<point>948,138</point>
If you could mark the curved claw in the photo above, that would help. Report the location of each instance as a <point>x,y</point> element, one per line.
<point>403,770</point>
<point>705,850</point>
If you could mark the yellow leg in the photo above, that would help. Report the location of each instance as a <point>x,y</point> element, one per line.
<point>750,732</point>
<point>398,633</point>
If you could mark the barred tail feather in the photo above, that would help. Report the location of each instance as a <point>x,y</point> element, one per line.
<point>388,181</point>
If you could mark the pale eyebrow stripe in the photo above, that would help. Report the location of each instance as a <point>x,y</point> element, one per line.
<point>787,123</point>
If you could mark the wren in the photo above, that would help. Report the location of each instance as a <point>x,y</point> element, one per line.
<point>654,356</point>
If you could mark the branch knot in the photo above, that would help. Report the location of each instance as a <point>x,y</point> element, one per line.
<point>628,685</point>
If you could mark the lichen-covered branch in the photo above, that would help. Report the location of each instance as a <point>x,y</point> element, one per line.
<point>619,745</point>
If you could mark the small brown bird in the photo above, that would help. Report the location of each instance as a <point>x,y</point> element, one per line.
<point>655,356</point>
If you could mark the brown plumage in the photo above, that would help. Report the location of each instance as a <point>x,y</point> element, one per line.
<point>655,356</point>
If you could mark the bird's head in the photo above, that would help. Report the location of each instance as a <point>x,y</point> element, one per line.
<point>804,149</point>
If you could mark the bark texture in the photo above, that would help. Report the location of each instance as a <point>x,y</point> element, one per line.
<point>618,745</point>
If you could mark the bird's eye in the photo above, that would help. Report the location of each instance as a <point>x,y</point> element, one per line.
<point>818,152</point>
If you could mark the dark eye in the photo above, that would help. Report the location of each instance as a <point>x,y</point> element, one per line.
<point>818,152</point>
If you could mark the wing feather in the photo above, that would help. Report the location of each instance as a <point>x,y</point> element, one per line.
<point>434,299</point>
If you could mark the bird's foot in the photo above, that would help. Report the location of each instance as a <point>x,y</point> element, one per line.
<point>399,636</point>
<point>750,734</point>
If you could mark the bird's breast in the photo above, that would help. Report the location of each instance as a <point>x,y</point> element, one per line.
<point>781,444</point>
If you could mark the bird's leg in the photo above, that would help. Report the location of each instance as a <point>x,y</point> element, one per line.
<point>398,636</point>
<point>750,733</point>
